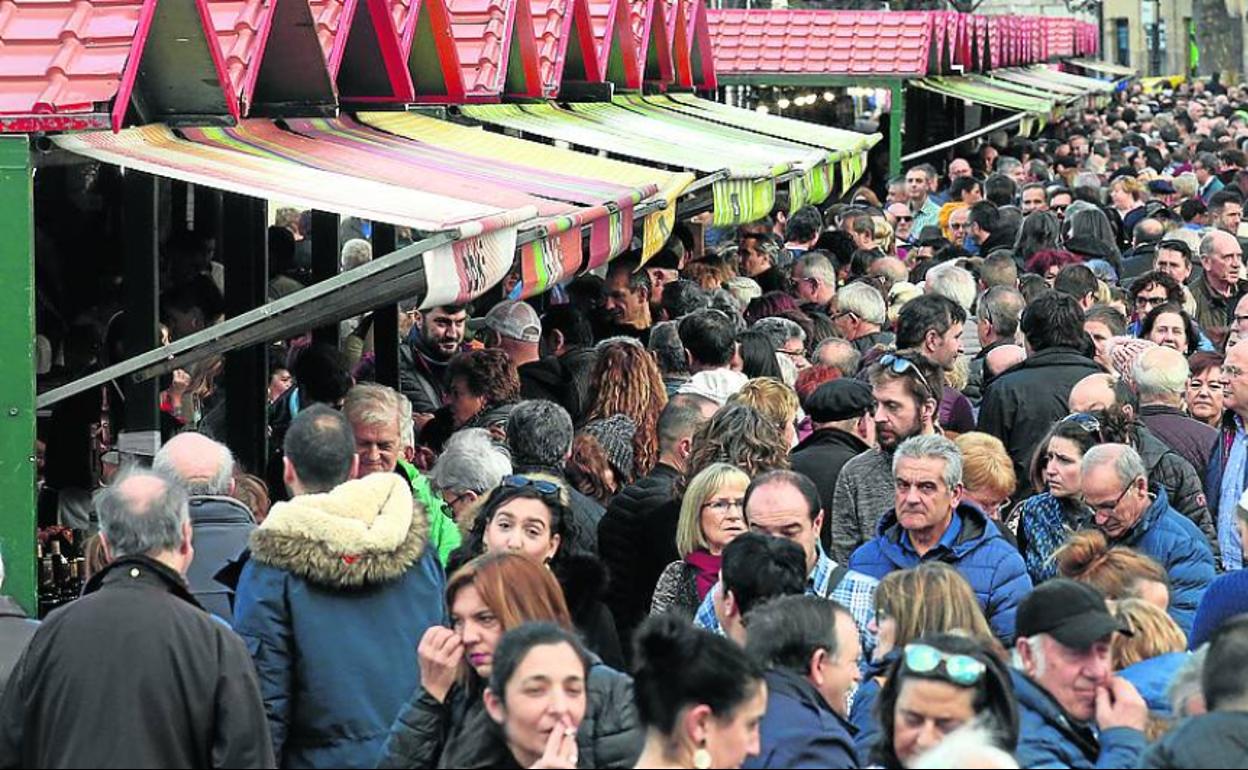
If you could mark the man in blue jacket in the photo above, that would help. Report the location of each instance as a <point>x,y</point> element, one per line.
<point>1116,489</point>
<point>341,585</point>
<point>809,647</point>
<point>1072,711</point>
<point>931,523</point>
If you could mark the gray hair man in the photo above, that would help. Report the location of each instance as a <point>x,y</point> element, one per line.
<point>814,275</point>
<point>860,314</point>
<point>1215,291</point>
<point>1161,375</point>
<point>136,623</point>
<point>954,283</point>
<point>839,354</point>
<point>1134,514</point>
<point>221,524</point>
<point>470,466</point>
<point>1064,683</point>
<point>539,435</point>
<point>996,325</point>
<point>787,338</point>
<point>930,522</point>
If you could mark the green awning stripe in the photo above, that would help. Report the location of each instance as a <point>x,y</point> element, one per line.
<point>1050,75</point>
<point>1103,66</point>
<point>835,139</point>
<point>993,97</point>
<point>1012,81</point>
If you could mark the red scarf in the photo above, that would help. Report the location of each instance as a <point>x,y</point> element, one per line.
<point>707,567</point>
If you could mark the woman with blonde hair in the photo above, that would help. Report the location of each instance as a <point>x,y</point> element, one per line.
<point>1126,197</point>
<point>988,478</point>
<point>626,380</point>
<point>1149,658</point>
<point>775,401</point>
<point>712,515</point>
<point>932,598</point>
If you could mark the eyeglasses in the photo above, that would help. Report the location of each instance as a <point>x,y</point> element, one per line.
<point>722,507</point>
<point>1151,302</point>
<point>905,219</point>
<point>957,226</point>
<point>1108,508</point>
<point>1060,209</point>
<point>962,670</point>
<point>521,482</point>
<point>1240,320</point>
<point>902,365</point>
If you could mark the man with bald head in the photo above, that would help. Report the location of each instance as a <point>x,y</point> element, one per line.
<point>1161,380</point>
<point>135,673</point>
<point>222,525</point>
<point>1111,401</point>
<point>1000,359</point>
<point>1216,289</point>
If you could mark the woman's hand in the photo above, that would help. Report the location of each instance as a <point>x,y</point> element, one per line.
<point>561,749</point>
<point>441,651</point>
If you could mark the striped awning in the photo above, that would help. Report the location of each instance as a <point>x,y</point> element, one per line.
<point>1108,68</point>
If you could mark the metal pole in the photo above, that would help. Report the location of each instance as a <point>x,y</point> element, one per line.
<point>17,379</point>
<point>142,314</point>
<point>896,126</point>
<point>246,369</point>
<point>324,237</point>
<point>385,318</point>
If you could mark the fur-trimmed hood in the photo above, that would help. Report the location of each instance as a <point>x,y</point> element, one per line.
<point>364,532</point>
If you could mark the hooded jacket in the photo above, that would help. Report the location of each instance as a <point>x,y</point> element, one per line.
<point>1219,739</point>
<point>1174,542</point>
<point>1049,737</point>
<point>1022,404</point>
<point>979,553</point>
<point>339,589</point>
<point>220,527</point>
<point>430,734</point>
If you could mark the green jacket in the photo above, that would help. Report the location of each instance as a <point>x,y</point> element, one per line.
<point>443,532</point>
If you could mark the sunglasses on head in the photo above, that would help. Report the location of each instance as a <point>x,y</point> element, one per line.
<point>1088,422</point>
<point>902,365</point>
<point>521,482</point>
<point>962,670</point>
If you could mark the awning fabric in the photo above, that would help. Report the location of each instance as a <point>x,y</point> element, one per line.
<point>540,162</point>
<point>980,93</point>
<point>1108,68</point>
<point>670,132</point>
<point>1096,91</point>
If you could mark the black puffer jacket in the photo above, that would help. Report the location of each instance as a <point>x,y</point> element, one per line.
<point>584,581</point>
<point>430,734</point>
<point>622,535</point>
<point>1021,405</point>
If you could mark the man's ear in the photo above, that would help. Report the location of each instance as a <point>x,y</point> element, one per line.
<point>814,666</point>
<point>106,547</point>
<point>289,476</point>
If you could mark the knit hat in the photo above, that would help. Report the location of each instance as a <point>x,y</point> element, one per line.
<point>615,436</point>
<point>716,384</point>
<point>1122,354</point>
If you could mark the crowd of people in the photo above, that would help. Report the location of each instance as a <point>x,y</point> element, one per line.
<point>953,476</point>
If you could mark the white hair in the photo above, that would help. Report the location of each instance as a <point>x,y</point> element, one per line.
<point>1036,645</point>
<point>1125,460</point>
<point>863,301</point>
<point>470,462</point>
<point>969,746</point>
<point>1160,373</point>
<point>356,252</point>
<point>952,282</point>
<point>933,447</point>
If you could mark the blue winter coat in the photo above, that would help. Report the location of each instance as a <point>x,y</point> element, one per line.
<point>1048,737</point>
<point>1152,677</point>
<point>799,730</point>
<point>989,563</point>
<point>862,714</point>
<point>220,528</point>
<point>1171,539</point>
<point>332,608</point>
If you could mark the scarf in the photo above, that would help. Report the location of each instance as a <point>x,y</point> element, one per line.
<point>707,568</point>
<point>1045,526</point>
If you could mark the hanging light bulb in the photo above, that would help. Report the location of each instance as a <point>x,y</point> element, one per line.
<point>828,96</point>
<point>783,104</point>
<point>762,109</point>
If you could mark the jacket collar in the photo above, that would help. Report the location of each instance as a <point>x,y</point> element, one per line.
<point>1152,409</point>
<point>975,530</point>
<point>1032,697</point>
<point>218,509</point>
<point>781,681</point>
<point>1055,356</point>
<point>833,437</point>
<point>143,570</point>
<point>1149,519</point>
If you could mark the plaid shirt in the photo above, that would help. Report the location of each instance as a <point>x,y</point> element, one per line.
<point>856,593</point>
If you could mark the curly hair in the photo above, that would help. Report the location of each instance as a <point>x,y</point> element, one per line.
<point>627,381</point>
<point>739,435</point>
<point>587,468</point>
<point>489,374</point>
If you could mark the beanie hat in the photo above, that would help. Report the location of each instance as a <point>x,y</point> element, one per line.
<point>615,435</point>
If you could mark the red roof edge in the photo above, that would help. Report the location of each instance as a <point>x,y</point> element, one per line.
<point>372,67</point>
<point>682,62</point>
<point>577,47</point>
<point>701,55</point>
<point>432,59</point>
<point>521,73</point>
<point>150,14</point>
<point>617,50</point>
<point>656,46</point>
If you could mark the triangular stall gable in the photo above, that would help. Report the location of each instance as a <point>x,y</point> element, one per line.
<point>618,59</point>
<point>426,43</point>
<point>361,47</point>
<point>701,55</point>
<point>654,41</point>
<point>566,49</point>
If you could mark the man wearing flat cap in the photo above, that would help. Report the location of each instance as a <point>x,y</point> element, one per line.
<point>840,412</point>
<point>1073,712</point>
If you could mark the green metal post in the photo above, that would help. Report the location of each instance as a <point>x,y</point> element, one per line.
<point>896,122</point>
<point>17,380</point>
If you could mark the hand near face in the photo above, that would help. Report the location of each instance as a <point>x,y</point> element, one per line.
<point>561,749</point>
<point>441,651</point>
<point>1119,704</point>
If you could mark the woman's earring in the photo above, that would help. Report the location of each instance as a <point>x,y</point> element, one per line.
<point>702,758</point>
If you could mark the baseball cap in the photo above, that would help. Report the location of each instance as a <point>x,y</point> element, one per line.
<point>1073,613</point>
<point>512,319</point>
<point>840,400</point>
